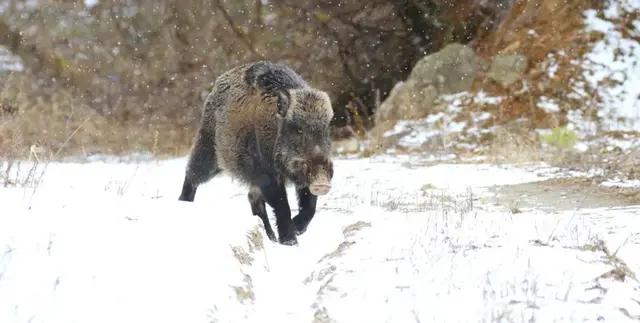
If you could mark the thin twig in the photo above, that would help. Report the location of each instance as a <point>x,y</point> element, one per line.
<point>69,138</point>
<point>236,29</point>
<point>258,24</point>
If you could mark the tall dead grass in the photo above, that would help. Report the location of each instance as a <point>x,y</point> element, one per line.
<point>48,122</point>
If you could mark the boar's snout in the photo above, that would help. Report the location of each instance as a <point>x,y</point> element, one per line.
<point>320,189</point>
<point>320,186</point>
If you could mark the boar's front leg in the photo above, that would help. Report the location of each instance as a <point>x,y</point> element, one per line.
<point>258,209</point>
<point>306,209</point>
<point>275,194</point>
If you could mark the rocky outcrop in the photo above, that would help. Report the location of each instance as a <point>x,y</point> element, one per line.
<point>449,71</point>
<point>506,69</point>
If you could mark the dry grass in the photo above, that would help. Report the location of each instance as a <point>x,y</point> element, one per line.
<point>255,242</point>
<point>321,315</point>
<point>245,257</point>
<point>514,146</point>
<point>49,121</point>
<point>426,200</point>
<point>614,161</point>
<point>244,294</point>
<point>348,231</point>
<point>620,270</point>
<point>514,207</point>
<point>355,227</point>
<point>12,173</point>
<point>338,252</point>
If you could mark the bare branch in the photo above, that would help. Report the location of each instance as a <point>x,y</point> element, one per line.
<point>236,30</point>
<point>258,24</point>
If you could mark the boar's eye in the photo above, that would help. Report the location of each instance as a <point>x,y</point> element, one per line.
<point>295,129</point>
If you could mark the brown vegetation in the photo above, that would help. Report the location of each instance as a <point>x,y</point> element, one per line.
<point>136,71</point>
<point>132,76</point>
<point>550,37</point>
<point>537,29</point>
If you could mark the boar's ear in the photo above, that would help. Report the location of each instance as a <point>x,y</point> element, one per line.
<point>283,101</point>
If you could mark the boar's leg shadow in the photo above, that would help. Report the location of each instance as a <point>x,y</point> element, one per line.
<point>307,209</point>
<point>202,165</point>
<point>275,194</point>
<point>258,209</point>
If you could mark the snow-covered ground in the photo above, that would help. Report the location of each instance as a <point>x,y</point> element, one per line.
<point>395,241</point>
<point>616,57</point>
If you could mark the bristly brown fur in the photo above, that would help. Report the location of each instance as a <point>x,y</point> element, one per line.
<point>265,126</point>
<point>311,103</point>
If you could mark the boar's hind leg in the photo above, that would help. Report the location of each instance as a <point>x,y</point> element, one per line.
<point>202,165</point>
<point>258,209</point>
<point>275,194</point>
<point>307,209</point>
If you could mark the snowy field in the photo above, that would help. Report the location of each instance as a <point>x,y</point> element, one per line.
<point>398,239</point>
<point>393,242</point>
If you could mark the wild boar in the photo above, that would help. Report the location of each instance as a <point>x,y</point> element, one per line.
<point>267,128</point>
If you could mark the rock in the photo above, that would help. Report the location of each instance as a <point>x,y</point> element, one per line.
<point>406,101</point>
<point>449,71</point>
<point>506,69</point>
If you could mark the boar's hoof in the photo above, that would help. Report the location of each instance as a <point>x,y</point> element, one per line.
<point>288,241</point>
<point>299,225</point>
